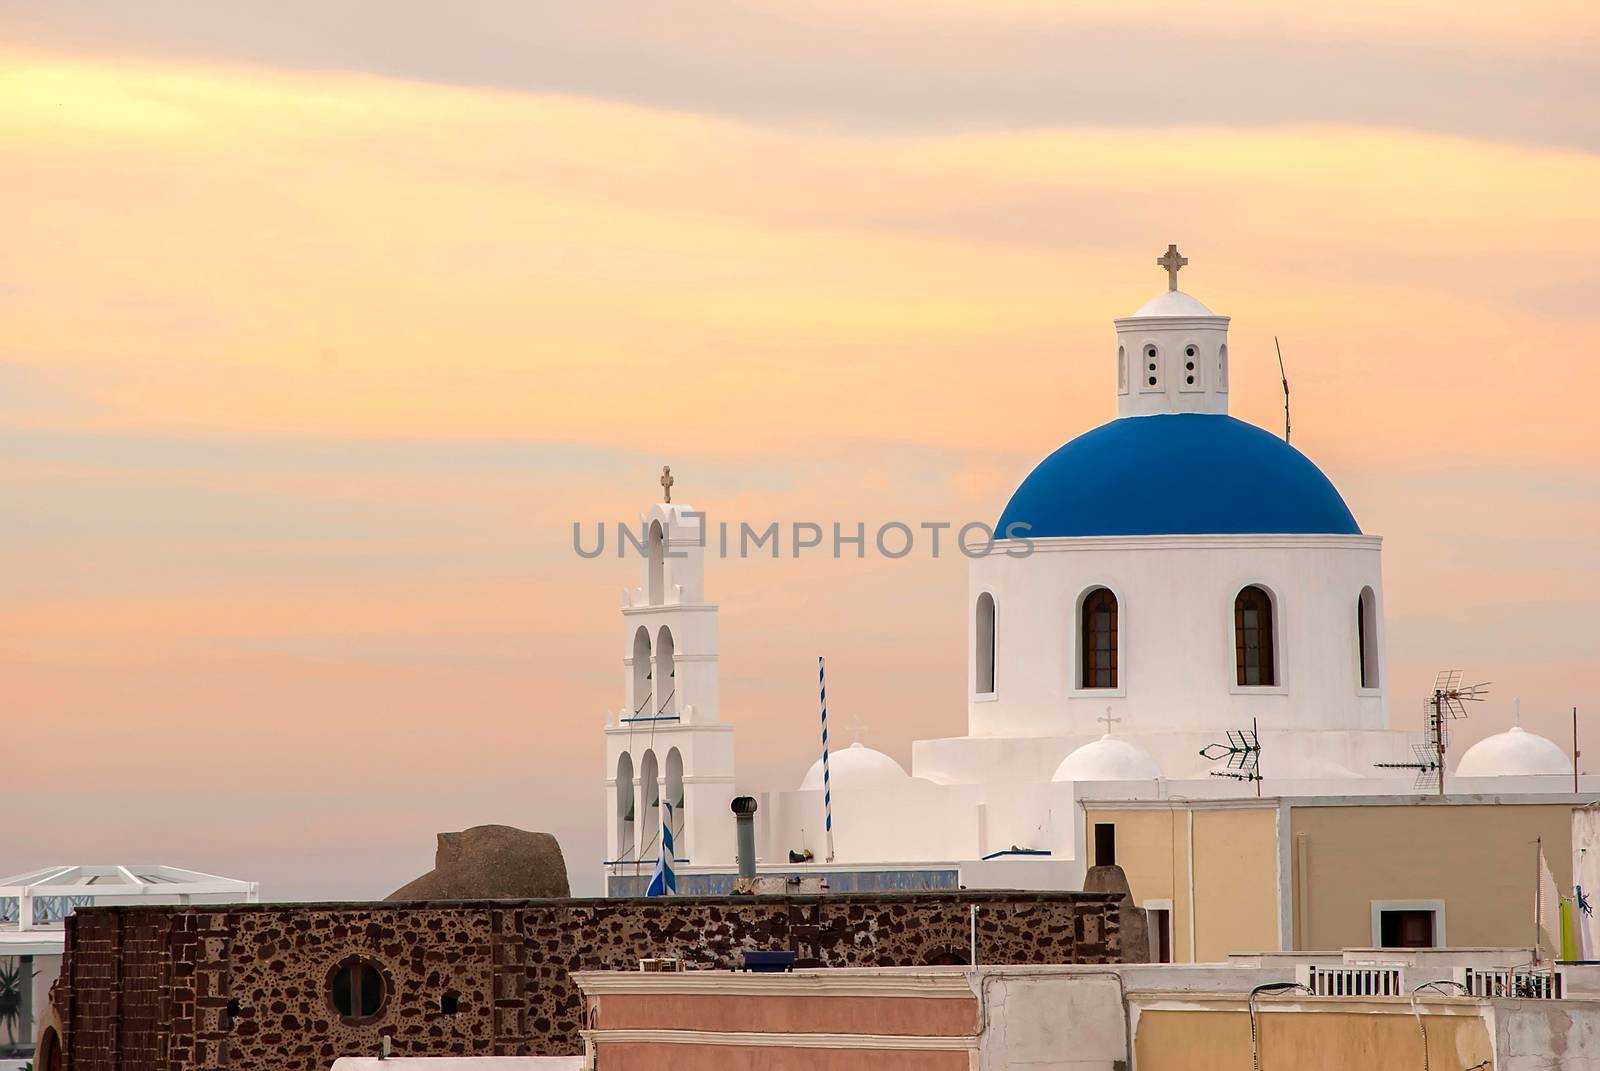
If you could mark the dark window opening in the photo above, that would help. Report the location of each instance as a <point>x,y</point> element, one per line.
<point>948,958</point>
<point>1405,929</point>
<point>449,1004</point>
<point>1098,629</point>
<point>357,991</point>
<point>1366,638</point>
<point>1160,925</point>
<point>1105,844</point>
<point>1252,638</point>
<point>985,643</point>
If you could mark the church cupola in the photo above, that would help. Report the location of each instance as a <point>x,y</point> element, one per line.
<point>1172,355</point>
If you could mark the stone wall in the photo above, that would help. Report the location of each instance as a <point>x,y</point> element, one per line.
<point>248,987</point>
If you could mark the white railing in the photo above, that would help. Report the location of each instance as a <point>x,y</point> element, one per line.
<point>1522,982</point>
<point>1375,981</point>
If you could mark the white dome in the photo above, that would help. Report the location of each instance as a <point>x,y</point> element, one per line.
<point>1108,759</point>
<point>1514,753</point>
<point>1173,303</point>
<point>854,766</point>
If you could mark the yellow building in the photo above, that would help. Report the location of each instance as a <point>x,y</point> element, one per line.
<point>1226,876</point>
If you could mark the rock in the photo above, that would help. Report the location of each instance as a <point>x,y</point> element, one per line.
<point>1135,933</point>
<point>491,863</point>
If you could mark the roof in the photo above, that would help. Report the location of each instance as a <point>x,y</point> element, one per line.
<point>1514,753</point>
<point>1108,759</point>
<point>1173,303</point>
<point>1177,474</point>
<point>855,765</point>
<point>45,897</point>
<point>120,880</point>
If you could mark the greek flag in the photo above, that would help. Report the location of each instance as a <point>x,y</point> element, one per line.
<point>664,882</point>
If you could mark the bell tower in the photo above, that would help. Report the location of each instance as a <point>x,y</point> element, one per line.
<point>1172,355</point>
<point>667,741</point>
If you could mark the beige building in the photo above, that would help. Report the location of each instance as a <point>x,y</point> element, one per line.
<point>1224,876</point>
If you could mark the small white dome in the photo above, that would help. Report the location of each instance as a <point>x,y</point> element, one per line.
<point>1108,759</point>
<point>854,766</point>
<point>1514,753</point>
<point>1173,303</point>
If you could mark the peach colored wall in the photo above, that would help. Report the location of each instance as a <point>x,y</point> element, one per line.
<point>633,1056</point>
<point>1478,860</point>
<point>929,1017</point>
<point>1235,873</point>
<point>1308,1041</point>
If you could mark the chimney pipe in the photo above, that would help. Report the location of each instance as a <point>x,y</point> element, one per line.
<point>744,810</point>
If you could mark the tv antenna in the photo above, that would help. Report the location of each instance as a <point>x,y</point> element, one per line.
<point>1448,703</point>
<point>1243,752</point>
<point>1285,375</point>
<point>1424,760</point>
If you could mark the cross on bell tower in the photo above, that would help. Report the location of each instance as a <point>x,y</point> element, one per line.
<point>1172,260</point>
<point>666,482</point>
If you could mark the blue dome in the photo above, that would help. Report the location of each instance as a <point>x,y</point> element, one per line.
<point>1177,474</point>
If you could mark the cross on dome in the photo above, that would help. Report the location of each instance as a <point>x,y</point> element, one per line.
<point>1172,260</point>
<point>1108,718</point>
<point>666,482</point>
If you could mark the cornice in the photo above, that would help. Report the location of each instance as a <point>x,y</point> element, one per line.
<point>893,982</point>
<point>764,1040</point>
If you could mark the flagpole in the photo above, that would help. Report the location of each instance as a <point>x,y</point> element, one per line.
<point>1538,897</point>
<point>827,787</point>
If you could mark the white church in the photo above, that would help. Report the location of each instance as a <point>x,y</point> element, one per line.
<point>1188,576</point>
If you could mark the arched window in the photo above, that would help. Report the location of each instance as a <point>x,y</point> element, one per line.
<point>625,798</point>
<point>1367,637</point>
<point>641,670</point>
<point>1253,638</point>
<point>650,808</point>
<point>983,638</point>
<point>48,1058</point>
<point>675,797</point>
<point>1098,635</point>
<point>666,672</point>
<point>657,550</point>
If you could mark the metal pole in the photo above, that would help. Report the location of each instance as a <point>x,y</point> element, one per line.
<point>1255,731</point>
<point>1438,734</point>
<point>1575,751</point>
<point>1538,898</point>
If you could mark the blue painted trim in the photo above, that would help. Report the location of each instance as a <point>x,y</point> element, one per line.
<point>655,717</point>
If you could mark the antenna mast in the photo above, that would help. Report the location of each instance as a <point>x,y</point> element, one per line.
<point>1285,375</point>
<point>1446,703</point>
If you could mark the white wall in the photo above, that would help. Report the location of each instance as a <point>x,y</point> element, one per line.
<point>1176,667</point>
<point>1044,1022</point>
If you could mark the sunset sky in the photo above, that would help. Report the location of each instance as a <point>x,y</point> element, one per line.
<point>321,323</point>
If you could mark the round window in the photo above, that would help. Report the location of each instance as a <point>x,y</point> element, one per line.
<point>358,991</point>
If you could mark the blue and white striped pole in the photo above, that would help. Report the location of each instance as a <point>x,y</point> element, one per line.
<point>827,788</point>
<point>664,882</point>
